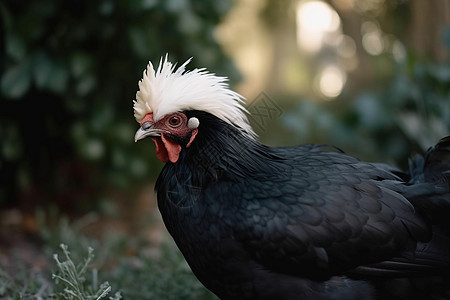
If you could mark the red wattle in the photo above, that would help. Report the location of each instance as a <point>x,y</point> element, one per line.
<point>166,149</point>
<point>172,149</point>
<point>161,152</point>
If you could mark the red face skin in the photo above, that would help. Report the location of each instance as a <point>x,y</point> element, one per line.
<point>175,124</point>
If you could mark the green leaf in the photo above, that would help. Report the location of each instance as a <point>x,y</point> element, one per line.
<point>50,75</point>
<point>81,63</point>
<point>16,80</point>
<point>86,85</point>
<point>42,69</point>
<point>15,47</point>
<point>59,78</point>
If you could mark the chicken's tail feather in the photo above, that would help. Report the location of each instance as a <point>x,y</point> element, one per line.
<point>434,166</point>
<point>430,180</point>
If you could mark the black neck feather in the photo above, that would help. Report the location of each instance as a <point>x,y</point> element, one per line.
<point>220,151</point>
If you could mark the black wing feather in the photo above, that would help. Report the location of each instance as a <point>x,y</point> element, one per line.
<point>331,213</point>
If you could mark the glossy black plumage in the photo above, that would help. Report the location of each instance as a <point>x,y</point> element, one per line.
<point>307,222</point>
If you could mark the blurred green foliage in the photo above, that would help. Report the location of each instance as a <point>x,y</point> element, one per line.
<point>388,125</point>
<point>69,72</point>
<point>405,111</point>
<point>394,103</point>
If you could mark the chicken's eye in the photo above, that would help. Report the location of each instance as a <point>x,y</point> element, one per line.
<point>174,121</point>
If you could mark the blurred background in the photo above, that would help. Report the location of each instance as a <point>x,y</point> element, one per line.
<point>371,77</point>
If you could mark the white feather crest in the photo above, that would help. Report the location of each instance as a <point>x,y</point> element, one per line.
<point>168,90</point>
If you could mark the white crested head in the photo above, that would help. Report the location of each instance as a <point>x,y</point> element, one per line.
<point>168,90</point>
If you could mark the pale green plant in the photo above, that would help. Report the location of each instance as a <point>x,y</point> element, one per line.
<point>72,278</point>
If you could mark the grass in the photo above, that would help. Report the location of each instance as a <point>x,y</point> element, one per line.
<point>113,266</point>
<point>71,279</point>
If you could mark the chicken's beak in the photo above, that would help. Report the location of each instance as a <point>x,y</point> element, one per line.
<point>146,130</point>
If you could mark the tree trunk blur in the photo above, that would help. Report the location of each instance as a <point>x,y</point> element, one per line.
<point>426,28</point>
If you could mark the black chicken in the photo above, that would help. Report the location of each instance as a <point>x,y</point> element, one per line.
<point>307,222</point>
